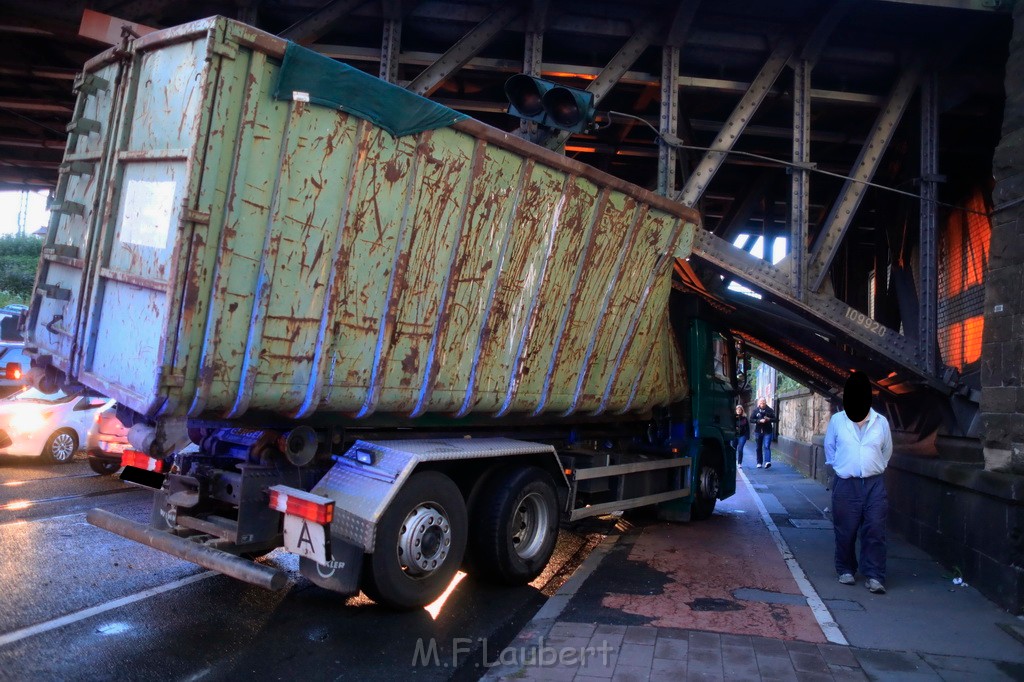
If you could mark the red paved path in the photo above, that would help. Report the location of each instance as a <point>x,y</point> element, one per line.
<point>731,550</point>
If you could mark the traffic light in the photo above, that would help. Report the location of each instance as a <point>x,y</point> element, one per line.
<point>549,104</point>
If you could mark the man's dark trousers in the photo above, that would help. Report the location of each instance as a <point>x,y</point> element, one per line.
<point>860,504</point>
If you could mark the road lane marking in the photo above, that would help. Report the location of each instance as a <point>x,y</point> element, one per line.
<point>821,613</point>
<point>39,628</point>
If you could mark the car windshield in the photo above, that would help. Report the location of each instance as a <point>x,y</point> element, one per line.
<point>34,395</point>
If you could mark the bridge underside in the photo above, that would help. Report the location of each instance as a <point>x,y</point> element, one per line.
<point>851,142</point>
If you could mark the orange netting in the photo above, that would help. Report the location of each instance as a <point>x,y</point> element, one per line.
<point>963,260</point>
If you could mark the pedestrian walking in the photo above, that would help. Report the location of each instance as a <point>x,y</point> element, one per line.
<point>858,445</point>
<point>763,418</point>
<point>742,426</point>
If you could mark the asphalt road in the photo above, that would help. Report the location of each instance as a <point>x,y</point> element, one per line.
<point>77,602</point>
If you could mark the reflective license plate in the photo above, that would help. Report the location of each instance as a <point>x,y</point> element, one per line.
<point>306,538</point>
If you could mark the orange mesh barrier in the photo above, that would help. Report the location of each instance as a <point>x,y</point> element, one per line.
<point>963,260</point>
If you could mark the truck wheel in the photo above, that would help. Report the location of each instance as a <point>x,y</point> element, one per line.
<point>103,467</point>
<point>708,486</point>
<point>420,542</point>
<point>61,447</point>
<point>516,529</point>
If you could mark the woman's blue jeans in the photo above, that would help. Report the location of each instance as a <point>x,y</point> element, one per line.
<point>741,442</point>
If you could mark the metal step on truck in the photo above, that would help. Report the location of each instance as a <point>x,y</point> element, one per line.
<point>343,319</point>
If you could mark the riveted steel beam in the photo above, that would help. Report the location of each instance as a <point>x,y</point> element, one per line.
<point>467,47</point>
<point>740,263</point>
<point>533,55</point>
<point>390,47</point>
<point>616,68</point>
<point>510,66</point>
<point>824,309</point>
<point>308,29</point>
<point>800,180</point>
<point>737,121</point>
<point>668,122</point>
<point>845,207</point>
<point>928,246</point>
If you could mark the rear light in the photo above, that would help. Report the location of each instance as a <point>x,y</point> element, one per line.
<point>307,505</point>
<point>13,371</point>
<point>131,458</point>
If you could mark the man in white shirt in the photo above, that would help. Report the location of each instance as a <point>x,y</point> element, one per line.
<point>858,445</point>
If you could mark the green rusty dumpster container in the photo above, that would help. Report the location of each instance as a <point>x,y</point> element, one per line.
<point>225,245</point>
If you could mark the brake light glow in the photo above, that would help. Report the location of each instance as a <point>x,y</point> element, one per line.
<point>13,371</point>
<point>131,458</point>
<point>299,503</point>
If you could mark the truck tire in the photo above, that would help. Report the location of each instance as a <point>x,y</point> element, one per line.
<point>420,542</point>
<point>708,485</point>
<point>515,531</point>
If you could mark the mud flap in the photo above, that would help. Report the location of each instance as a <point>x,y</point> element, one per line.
<point>342,572</point>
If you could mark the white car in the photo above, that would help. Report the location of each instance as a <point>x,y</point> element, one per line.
<point>33,424</point>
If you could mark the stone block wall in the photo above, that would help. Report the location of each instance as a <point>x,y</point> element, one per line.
<point>1002,355</point>
<point>802,415</point>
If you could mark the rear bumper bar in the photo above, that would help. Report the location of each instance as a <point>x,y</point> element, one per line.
<point>207,557</point>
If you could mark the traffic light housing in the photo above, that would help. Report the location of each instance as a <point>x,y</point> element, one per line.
<point>549,104</point>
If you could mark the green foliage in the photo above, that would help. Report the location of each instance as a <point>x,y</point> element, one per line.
<point>755,364</point>
<point>785,384</point>
<point>19,258</point>
<point>11,245</point>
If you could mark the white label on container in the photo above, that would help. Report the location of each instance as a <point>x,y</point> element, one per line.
<point>300,96</point>
<point>146,213</point>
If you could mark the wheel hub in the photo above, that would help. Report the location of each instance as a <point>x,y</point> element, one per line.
<point>529,525</point>
<point>425,540</point>
<point>63,447</point>
<point>709,482</point>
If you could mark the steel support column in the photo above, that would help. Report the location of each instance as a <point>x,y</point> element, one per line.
<point>845,207</point>
<point>669,121</point>
<point>668,124</point>
<point>467,47</point>
<point>391,45</point>
<point>800,188</point>
<point>737,121</point>
<point>929,252</point>
<point>533,56</point>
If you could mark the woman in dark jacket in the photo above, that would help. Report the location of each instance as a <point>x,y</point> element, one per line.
<point>742,425</point>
